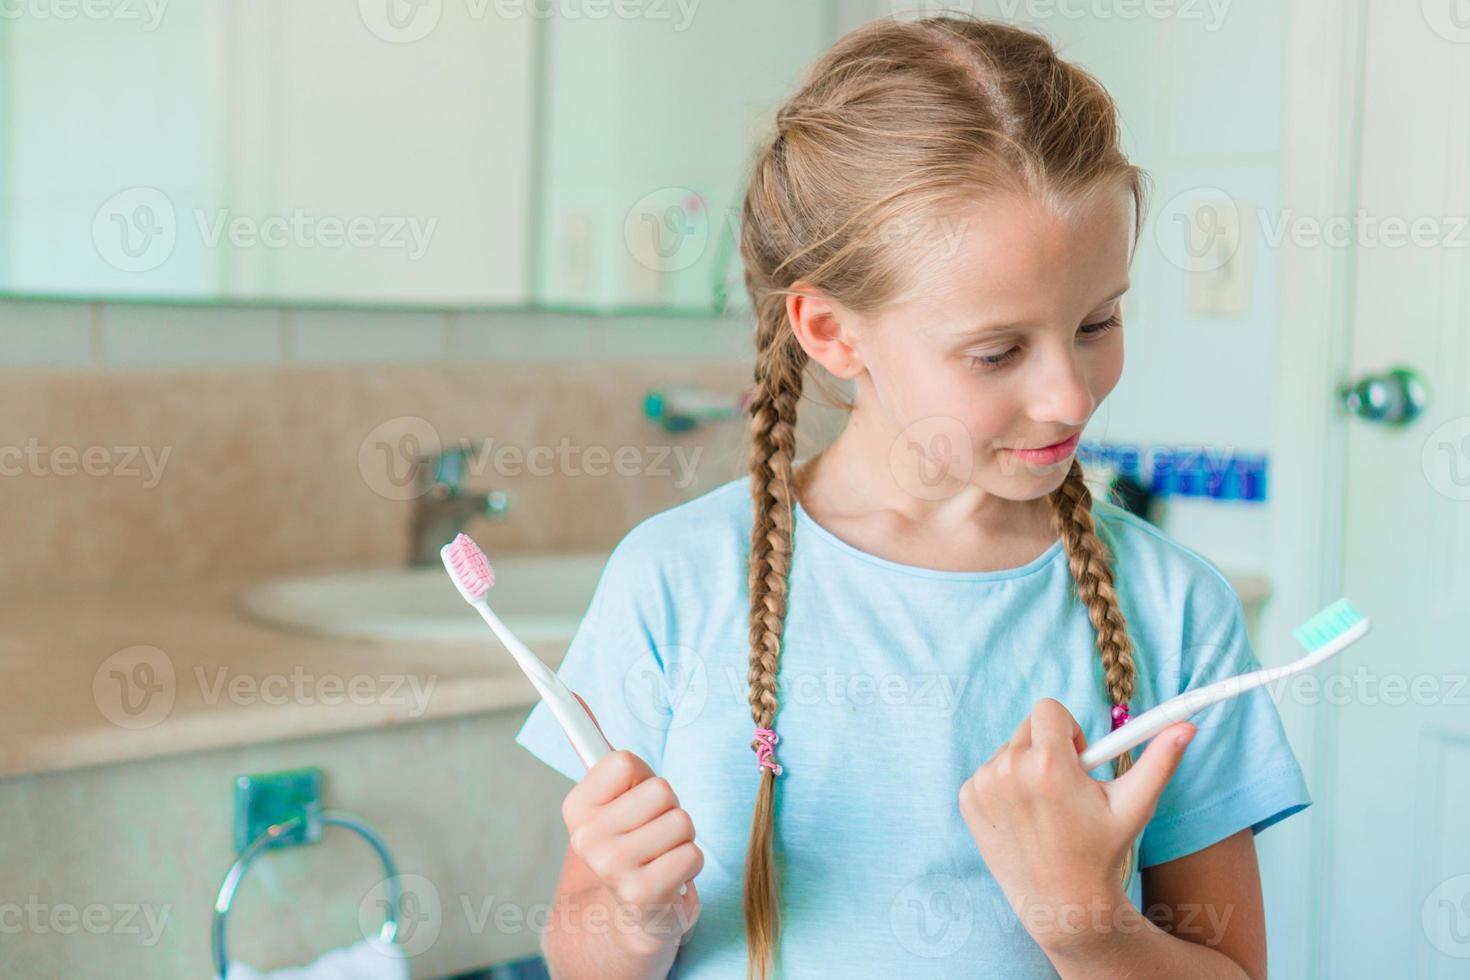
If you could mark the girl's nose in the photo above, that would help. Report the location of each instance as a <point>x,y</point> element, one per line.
<point>1062,393</point>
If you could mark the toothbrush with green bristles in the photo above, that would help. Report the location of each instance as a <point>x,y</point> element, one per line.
<point>1323,636</point>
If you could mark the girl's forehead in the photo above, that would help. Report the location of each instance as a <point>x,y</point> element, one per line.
<point>1011,260</point>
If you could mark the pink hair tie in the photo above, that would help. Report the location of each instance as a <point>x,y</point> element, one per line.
<point>1120,715</point>
<point>768,739</point>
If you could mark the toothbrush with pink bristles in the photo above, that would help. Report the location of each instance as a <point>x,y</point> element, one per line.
<point>473,576</point>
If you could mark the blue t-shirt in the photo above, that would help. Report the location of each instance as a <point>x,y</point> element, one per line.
<point>896,683</point>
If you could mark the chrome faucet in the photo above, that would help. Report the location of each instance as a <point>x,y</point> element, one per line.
<point>683,407</point>
<point>442,508</point>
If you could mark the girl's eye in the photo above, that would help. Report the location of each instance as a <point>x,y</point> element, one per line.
<point>998,360</point>
<point>993,360</point>
<point>1093,329</point>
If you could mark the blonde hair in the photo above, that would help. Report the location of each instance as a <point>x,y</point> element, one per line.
<point>897,121</point>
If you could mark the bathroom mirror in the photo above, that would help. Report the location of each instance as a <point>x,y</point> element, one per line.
<point>498,154</point>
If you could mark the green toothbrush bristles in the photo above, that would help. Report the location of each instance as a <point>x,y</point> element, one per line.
<point>1327,625</point>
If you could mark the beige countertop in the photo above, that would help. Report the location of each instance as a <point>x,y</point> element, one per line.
<point>111,675</point>
<point>123,673</point>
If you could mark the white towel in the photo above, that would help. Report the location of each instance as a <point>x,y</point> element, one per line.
<point>370,959</point>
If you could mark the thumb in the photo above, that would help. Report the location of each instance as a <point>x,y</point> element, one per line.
<point>1135,794</point>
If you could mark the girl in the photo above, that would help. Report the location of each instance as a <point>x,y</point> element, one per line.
<point>927,621</point>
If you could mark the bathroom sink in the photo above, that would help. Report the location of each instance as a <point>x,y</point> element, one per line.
<point>540,596</point>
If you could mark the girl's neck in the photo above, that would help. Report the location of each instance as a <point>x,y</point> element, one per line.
<point>849,489</point>
<point>855,475</point>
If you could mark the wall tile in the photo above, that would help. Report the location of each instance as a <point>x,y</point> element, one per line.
<point>316,336</point>
<point>538,336</point>
<point>164,336</point>
<point>37,334</point>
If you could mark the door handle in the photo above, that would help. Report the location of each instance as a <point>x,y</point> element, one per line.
<point>1395,397</point>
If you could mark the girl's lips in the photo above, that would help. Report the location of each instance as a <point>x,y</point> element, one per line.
<point>1049,454</point>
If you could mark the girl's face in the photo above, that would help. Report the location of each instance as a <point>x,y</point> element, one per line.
<point>1009,338</point>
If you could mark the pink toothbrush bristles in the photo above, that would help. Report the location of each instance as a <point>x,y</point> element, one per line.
<point>471,566</point>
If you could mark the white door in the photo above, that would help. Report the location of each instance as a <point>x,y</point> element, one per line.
<point>1394,740</point>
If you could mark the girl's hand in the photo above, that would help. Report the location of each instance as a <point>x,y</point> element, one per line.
<point>626,825</point>
<point>1054,837</point>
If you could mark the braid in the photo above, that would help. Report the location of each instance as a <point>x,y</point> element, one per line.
<point>1092,572</point>
<point>898,120</point>
<point>778,382</point>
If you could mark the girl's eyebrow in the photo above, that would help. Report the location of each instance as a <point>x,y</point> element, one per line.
<point>1003,327</point>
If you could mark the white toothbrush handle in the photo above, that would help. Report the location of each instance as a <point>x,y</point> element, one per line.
<point>1182,706</point>
<point>587,739</point>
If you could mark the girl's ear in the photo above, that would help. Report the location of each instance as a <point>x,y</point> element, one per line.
<point>824,331</point>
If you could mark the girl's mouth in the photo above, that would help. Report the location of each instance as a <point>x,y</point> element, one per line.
<point>1046,455</point>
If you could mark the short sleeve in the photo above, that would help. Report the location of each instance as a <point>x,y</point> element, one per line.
<point>615,665</point>
<point>1239,770</point>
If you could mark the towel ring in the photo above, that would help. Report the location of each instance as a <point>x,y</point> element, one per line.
<point>237,872</point>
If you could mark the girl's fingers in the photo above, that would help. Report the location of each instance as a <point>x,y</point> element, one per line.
<point>660,835</point>
<point>1053,725</point>
<point>608,779</point>
<point>676,866</point>
<point>636,807</point>
<point>1021,738</point>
